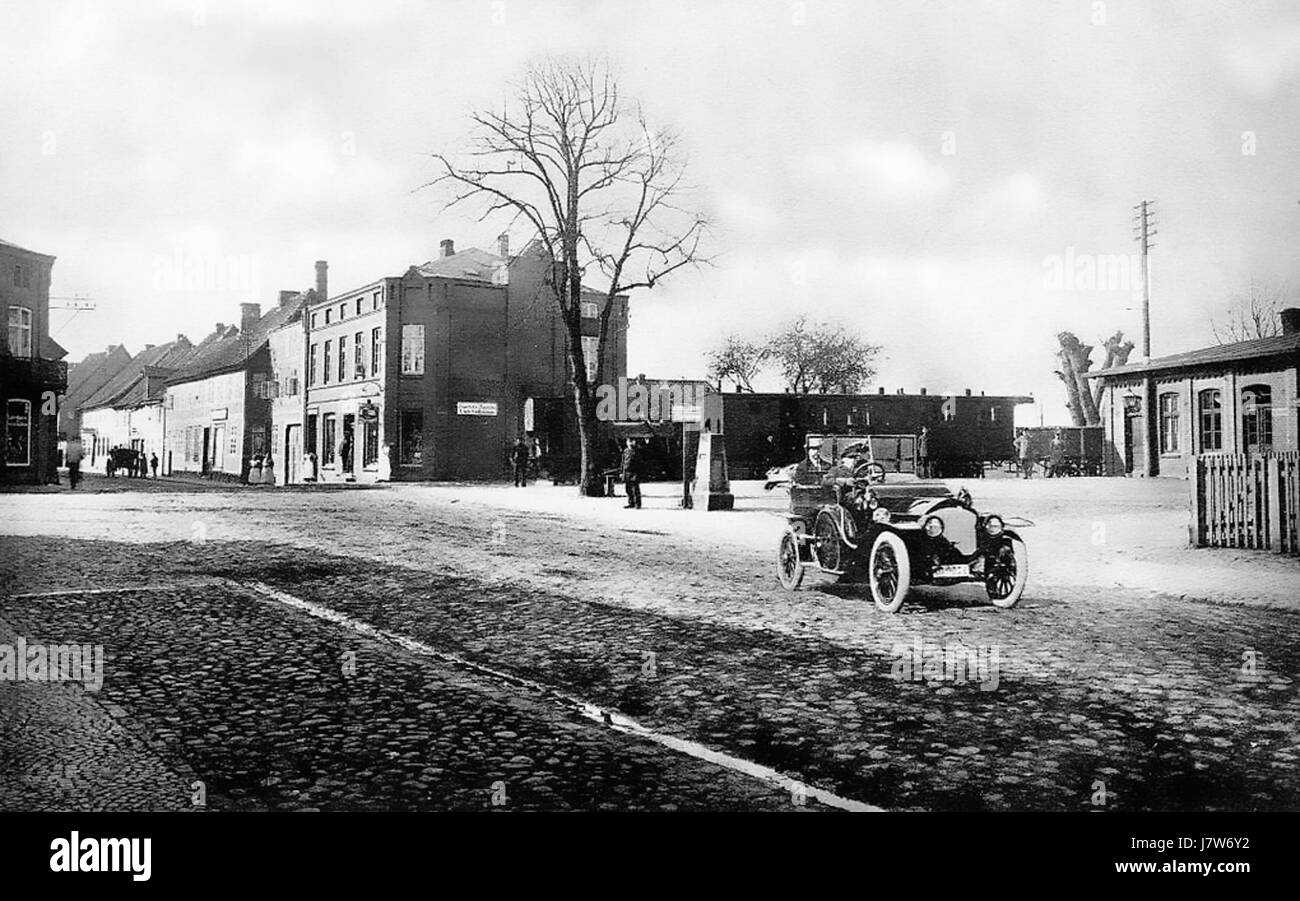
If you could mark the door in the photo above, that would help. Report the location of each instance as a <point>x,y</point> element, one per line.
<point>207,451</point>
<point>348,451</point>
<point>219,448</point>
<point>292,454</point>
<point>1134,445</point>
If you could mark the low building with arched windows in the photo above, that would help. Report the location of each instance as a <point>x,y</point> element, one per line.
<point>1234,398</point>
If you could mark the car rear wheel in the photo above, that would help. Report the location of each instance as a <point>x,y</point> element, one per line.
<point>789,569</point>
<point>889,572</point>
<point>829,547</point>
<point>1007,573</point>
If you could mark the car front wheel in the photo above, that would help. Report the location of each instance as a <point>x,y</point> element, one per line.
<point>789,569</point>
<point>889,572</point>
<point>1007,573</point>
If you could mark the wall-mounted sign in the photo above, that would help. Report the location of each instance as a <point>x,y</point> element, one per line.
<point>369,412</point>
<point>476,408</point>
<point>219,414</point>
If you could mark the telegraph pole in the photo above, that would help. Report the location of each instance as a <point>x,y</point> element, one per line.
<point>1143,231</point>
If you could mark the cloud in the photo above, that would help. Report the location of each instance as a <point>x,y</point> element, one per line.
<point>890,171</point>
<point>1262,62</point>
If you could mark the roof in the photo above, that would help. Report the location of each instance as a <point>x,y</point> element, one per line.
<point>12,246</point>
<point>473,264</point>
<point>1224,353</point>
<point>231,349</point>
<point>88,376</point>
<point>131,386</point>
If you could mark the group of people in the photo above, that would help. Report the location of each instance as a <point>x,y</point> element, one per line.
<point>1054,465</point>
<point>132,463</point>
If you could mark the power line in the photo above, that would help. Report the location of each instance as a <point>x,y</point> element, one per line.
<point>1143,231</point>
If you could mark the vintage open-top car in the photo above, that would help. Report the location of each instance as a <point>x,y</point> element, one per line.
<point>894,536</point>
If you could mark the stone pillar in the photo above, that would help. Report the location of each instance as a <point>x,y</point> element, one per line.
<point>711,489</point>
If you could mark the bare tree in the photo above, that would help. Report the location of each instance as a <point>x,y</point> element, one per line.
<point>822,357</point>
<point>1252,314</point>
<point>602,190</point>
<point>738,360</point>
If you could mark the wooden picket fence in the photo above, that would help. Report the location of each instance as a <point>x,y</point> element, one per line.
<point>1247,501</point>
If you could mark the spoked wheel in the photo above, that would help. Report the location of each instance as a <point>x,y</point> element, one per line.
<point>1007,573</point>
<point>789,569</point>
<point>889,572</point>
<point>827,536</point>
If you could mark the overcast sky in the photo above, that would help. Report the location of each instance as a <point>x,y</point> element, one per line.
<point>910,169</point>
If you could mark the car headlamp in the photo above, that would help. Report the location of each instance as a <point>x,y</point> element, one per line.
<point>872,501</point>
<point>880,514</point>
<point>933,527</point>
<point>993,525</point>
<point>963,497</point>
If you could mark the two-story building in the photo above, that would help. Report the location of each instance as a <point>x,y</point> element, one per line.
<point>85,379</point>
<point>1235,398</point>
<point>32,371</point>
<point>217,405</point>
<point>425,375</point>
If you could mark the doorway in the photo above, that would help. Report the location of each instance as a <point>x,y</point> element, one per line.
<point>292,454</point>
<point>206,466</point>
<point>348,450</point>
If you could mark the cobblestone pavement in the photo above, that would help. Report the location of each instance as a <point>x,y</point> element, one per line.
<point>1129,697</point>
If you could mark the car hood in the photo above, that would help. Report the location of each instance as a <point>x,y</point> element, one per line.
<point>900,498</point>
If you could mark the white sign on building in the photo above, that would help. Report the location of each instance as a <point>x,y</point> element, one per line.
<point>476,408</point>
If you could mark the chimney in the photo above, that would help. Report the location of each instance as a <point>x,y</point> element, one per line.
<point>286,296</point>
<point>150,346</point>
<point>1290,321</point>
<point>882,389</point>
<point>968,392</point>
<point>503,245</point>
<point>249,313</point>
<point>922,392</point>
<point>322,280</point>
<point>180,337</point>
<point>221,329</point>
<point>446,247</point>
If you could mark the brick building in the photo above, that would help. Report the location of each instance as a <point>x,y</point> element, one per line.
<point>436,364</point>
<point>32,371</point>
<point>1235,398</point>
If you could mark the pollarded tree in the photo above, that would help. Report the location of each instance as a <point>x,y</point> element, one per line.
<point>603,191</point>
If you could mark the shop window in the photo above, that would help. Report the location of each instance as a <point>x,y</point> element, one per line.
<point>412,438</point>
<point>327,439</point>
<point>18,433</point>
<point>369,442</point>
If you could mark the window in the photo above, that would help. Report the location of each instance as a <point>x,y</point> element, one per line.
<point>18,433</point>
<point>413,350</point>
<point>358,357</point>
<point>369,442</point>
<point>311,366</point>
<point>327,316</point>
<point>376,300</point>
<point>343,309</point>
<point>993,414</point>
<point>589,310</point>
<point>376,349</point>
<point>18,276</point>
<point>1257,417</point>
<point>411,451</point>
<point>27,277</point>
<point>20,331</point>
<point>1169,423</point>
<point>325,379</point>
<point>327,440</point>
<point>358,306</point>
<point>313,320</point>
<point>343,361</point>
<point>591,355</point>
<point>1210,404</point>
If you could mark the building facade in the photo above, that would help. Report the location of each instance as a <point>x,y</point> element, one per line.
<point>32,372</point>
<point>85,379</point>
<point>218,405</point>
<point>127,410</point>
<point>425,375</point>
<point>1235,398</point>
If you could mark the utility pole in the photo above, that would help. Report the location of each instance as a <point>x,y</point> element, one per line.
<point>1143,231</point>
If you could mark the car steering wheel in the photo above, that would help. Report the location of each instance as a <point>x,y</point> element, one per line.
<point>869,469</point>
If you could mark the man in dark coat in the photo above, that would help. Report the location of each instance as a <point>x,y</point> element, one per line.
<point>632,473</point>
<point>923,453</point>
<point>519,462</point>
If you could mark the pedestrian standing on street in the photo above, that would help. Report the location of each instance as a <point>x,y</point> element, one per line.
<point>923,453</point>
<point>153,464</point>
<point>1022,451</point>
<point>1056,463</point>
<point>519,461</point>
<point>73,457</point>
<point>632,474</point>
<point>110,464</point>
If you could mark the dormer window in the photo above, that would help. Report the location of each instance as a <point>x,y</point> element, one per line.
<point>590,310</point>
<point>20,331</point>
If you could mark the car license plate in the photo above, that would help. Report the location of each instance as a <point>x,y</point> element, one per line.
<point>952,571</point>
